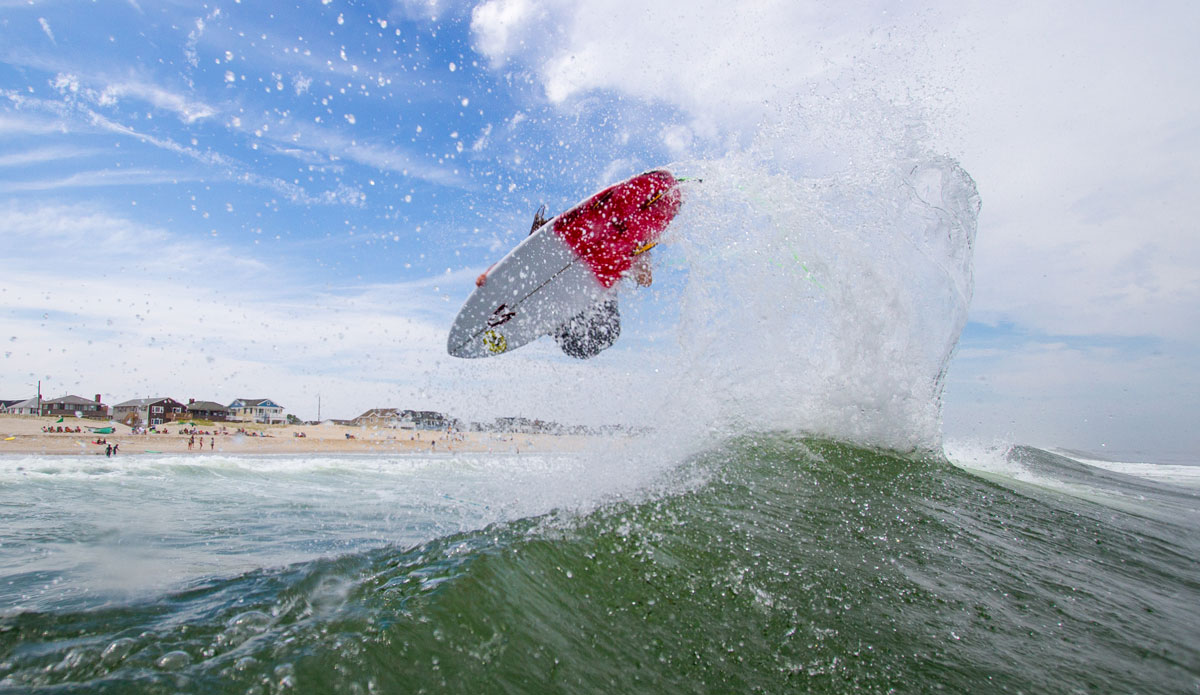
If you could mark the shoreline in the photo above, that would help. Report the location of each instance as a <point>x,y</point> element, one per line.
<point>24,435</point>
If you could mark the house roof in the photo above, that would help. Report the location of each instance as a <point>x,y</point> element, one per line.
<point>254,402</point>
<point>206,405</point>
<point>70,400</point>
<point>383,412</point>
<point>30,402</point>
<point>142,402</point>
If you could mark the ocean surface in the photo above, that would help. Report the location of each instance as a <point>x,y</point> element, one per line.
<point>766,562</point>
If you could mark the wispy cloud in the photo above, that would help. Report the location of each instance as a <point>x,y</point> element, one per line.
<point>93,179</point>
<point>22,124</point>
<point>71,114</point>
<point>41,155</point>
<point>188,110</point>
<point>301,141</point>
<point>46,29</point>
<point>103,92</point>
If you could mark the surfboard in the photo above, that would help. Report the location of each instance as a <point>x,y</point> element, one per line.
<point>567,265</point>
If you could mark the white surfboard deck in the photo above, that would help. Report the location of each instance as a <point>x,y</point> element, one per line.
<point>534,289</point>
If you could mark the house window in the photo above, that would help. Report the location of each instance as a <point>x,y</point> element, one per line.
<point>156,409</point>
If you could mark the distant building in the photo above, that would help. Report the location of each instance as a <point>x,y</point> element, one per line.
<point>522,425</point>
<point>29,406</point>
<point>149,411</point>
<point>207,410</point>
<point>391,418</point>
<point>262,410</point>
<point>68,406</point>
<point>394,418</point>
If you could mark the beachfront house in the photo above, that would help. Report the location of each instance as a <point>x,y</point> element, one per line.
<point>390,418</point>
<point>262,410</point>
<point>74,406</point>
<point>29,406</point>
<point>521,425</point>
<point>394,418</point>
<point>149,412</point>
<point>207,410</point>
<point>432,420</point>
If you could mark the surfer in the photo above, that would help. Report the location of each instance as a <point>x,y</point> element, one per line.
<point>571,261</point>
<point>596,328</point>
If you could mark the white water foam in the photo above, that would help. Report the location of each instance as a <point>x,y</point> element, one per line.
<point>1173,474</point>
<point>90,529</point>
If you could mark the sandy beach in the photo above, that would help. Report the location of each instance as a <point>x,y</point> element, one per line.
<point>24,435</point>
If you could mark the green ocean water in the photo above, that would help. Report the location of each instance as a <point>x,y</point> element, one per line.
<point>769,563</point>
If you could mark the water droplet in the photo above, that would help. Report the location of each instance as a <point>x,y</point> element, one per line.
<point>172,661</point>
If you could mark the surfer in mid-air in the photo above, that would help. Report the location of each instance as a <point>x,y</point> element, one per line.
<point>561,281</point>
<point>596,328</point>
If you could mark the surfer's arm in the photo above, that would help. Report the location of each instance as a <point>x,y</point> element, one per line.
<point>641,270</point>
<point>539,219</point>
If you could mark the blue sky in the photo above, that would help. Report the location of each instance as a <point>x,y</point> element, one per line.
<point>241,199</point>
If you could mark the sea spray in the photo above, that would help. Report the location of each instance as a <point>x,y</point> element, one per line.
<point>823,305</point>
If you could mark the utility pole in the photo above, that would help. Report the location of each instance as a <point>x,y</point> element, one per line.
<point>39,401</point>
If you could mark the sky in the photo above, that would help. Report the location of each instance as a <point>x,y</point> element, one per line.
<point>290,200</point>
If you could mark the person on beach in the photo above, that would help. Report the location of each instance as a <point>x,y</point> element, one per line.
<point>108,450</point>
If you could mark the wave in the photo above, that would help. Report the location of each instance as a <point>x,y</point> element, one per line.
<point>797,564</point>
<point>1169,499</point>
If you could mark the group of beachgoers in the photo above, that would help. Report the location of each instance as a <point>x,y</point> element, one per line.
<point>60,430</point>
<point>193,443</point>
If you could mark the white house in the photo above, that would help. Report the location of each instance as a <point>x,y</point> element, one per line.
<point>29,406</point>
<point>262,410</point>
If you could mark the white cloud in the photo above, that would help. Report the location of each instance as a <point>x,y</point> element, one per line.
<point>93,179</point>
<point>44,154</point>
<point>112,91</point>
<point>427,10</point>
<point>1054,394</point>
<point>186,109</point>
<point>677,139</point>
<point>1084,145</point>
<point>500,28</point>
<point>81,117</point>
<point>17,124</point>
<point>46,29</point>
<point>337,145</point>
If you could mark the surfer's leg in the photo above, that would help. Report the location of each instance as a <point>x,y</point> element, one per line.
<point>591,331</point>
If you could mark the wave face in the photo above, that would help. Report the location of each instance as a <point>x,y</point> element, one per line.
<point>770,563</point>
